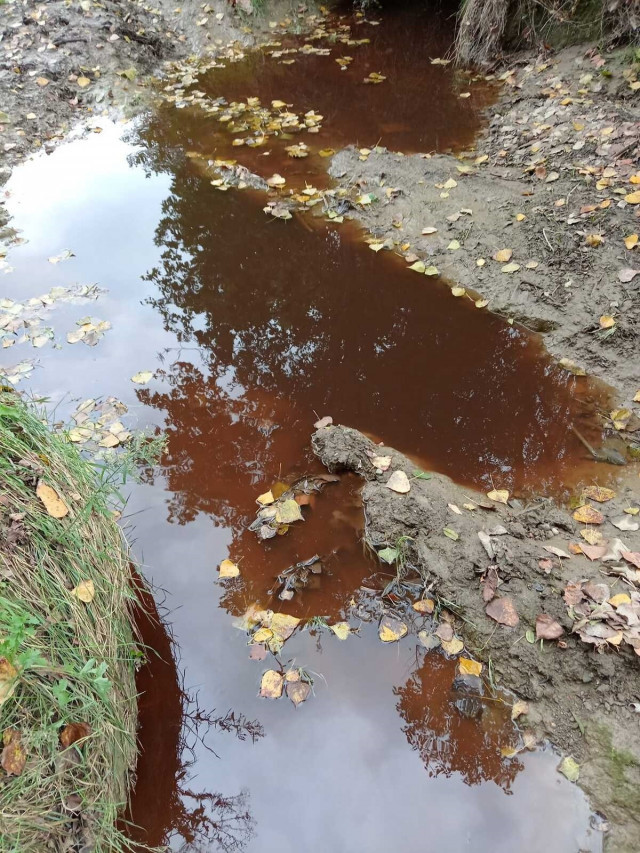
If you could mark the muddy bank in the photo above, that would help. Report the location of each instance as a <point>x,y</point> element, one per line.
<point>552,185</point>
<point>582,697</point>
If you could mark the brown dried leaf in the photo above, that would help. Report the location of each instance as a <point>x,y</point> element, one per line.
<point>8,679</point>
<point>503,611</point>
<point>298,691</point>
<point>390,630</point>
<point>573,594</point>
<point>271,685</point>
<point>73,732</point>
<point>598,493</point>
<point>490,584</point>
<point>425,605</point>
<point>548,628</point>
<point>14,756</point>
<point>85,591</point>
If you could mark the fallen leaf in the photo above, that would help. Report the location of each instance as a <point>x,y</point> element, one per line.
<point>594,552</point>
<point>620,418</point>
<point>503,255</point>
<point>266,499</point>
<point>14,757</point>
<point>418,267</point>
<point>8,679</point>
<point>425,605</point>
<point>518,709</point>
<point>631,198</point>
<point>625,523</point>
<point>323,422</point>
<point>498,495</point>
<point>429,230</point>
<point>388,555</point>
<point>74,732</point>
<point>341,630</point>
<point>557,552</point>
<point>271,684</point>
<point>458,291</point>
<point>631,241</point>
<point>431,271</point>
<point>276,181</point>
<point>52,501</point>
<point>142,377</point>
<point>509,268</point>
<point>593,537</point>
<point>588,515</point>
<point>453,646</point>
<point>382,463</point>
<point>390,630</point>
<point>572,367</point>
<point>85,591</point>
<point>451,534</point>
<point>398,482</point>
<point>298,691</point>
<point>228,569</point>
<point>283,625</point>
<point>594,240</point>
<point>569,767</point>
<point>632,557</point>
<point>502,610</point>
<point>607,321</point>
<point>83,82</point>
<point>620,598</point>
<point>469,667</point>
<point>288,511</point>
<point>548,628</point>
<point>598,493</point>
<point>627,274</point>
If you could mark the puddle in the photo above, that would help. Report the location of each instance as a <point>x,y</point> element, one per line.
<point>253,328</point>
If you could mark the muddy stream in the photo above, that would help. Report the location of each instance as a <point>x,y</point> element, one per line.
<point>253,327</point>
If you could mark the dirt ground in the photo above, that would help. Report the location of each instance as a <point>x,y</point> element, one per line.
<point>554,179</point>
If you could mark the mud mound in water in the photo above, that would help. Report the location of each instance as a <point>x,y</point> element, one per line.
<point>583,697</point>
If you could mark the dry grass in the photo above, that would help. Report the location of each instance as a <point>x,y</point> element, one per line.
<point>480,31</point>
<point>75,661</point>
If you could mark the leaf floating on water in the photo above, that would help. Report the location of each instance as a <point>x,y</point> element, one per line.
<point>283,625</point>
<point>276,181</point>
<point>598,493</point>
<point>391,630</point>
<point>588,515</point>
<point>498,495</point>
<point>298,691</point>
<point>418,266</point>
<point>85,591</point>
<point>228,569</point>
<point>548,628</point>
<point>458,291</point>
<point>425,605</point>
<point>52,501</point>
<point>323,422</point>
<point>271,684</point>
<point>481,303</point>
<point>431,271</point>
<point>453,646</point>
<point>429,641</point>
<point>398,482</point>
<point>388,555</point>
<point>266,499</point>
<point>570,768</point>
<point>142,377</point>
<point>288,511</point>
<point>469,667</point>
<point>63,256</point>
<point>374,77</point>
<point>503,611</point>
<point>341,630</point>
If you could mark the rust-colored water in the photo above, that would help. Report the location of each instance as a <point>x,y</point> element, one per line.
<point>253,328</point>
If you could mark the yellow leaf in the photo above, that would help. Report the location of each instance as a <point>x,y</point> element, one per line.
<point>499,495</point>
<point>620,418</point>
<point>452,647</point>
<point>633,198</point>
<point>42,81</point>
<point>288,511</point>
<point>631,241</point>
<point>593,240</point>
<point>598,493</point>
<point>520,217</point>
<point>453,246</point>
<point>418,266</point>
<point>8,679</point>
<point>341,630</point>
<point>271,685</point>
<point>607,321</point>
<point>481,303</point>
<point>431,270</point>
<point>620,598</point>
<point>509,268</point>
<point>228,569</point>
<point>450,184</point>
<point>52,501</point>
<point>276,181</point>
<point>262,635</point>
<point>572,367</point>
<point>85,591</point>
<point>283,625</point>
<point>83,82</point>
<point>503,255</point>
<point>375,247</point>
<point>142,377</point>
<point>469,667</point>
<point>391,629</point>
<point>480,262</point>
<point>425,605</point>
<point>588,515</point>
<point>593,537</point>
<point>266,499</point>
<point>458,291</point>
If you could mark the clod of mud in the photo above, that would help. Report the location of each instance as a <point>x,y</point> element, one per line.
<point>580,699</point>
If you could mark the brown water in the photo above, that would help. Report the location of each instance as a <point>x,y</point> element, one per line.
<point>253,327</point>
